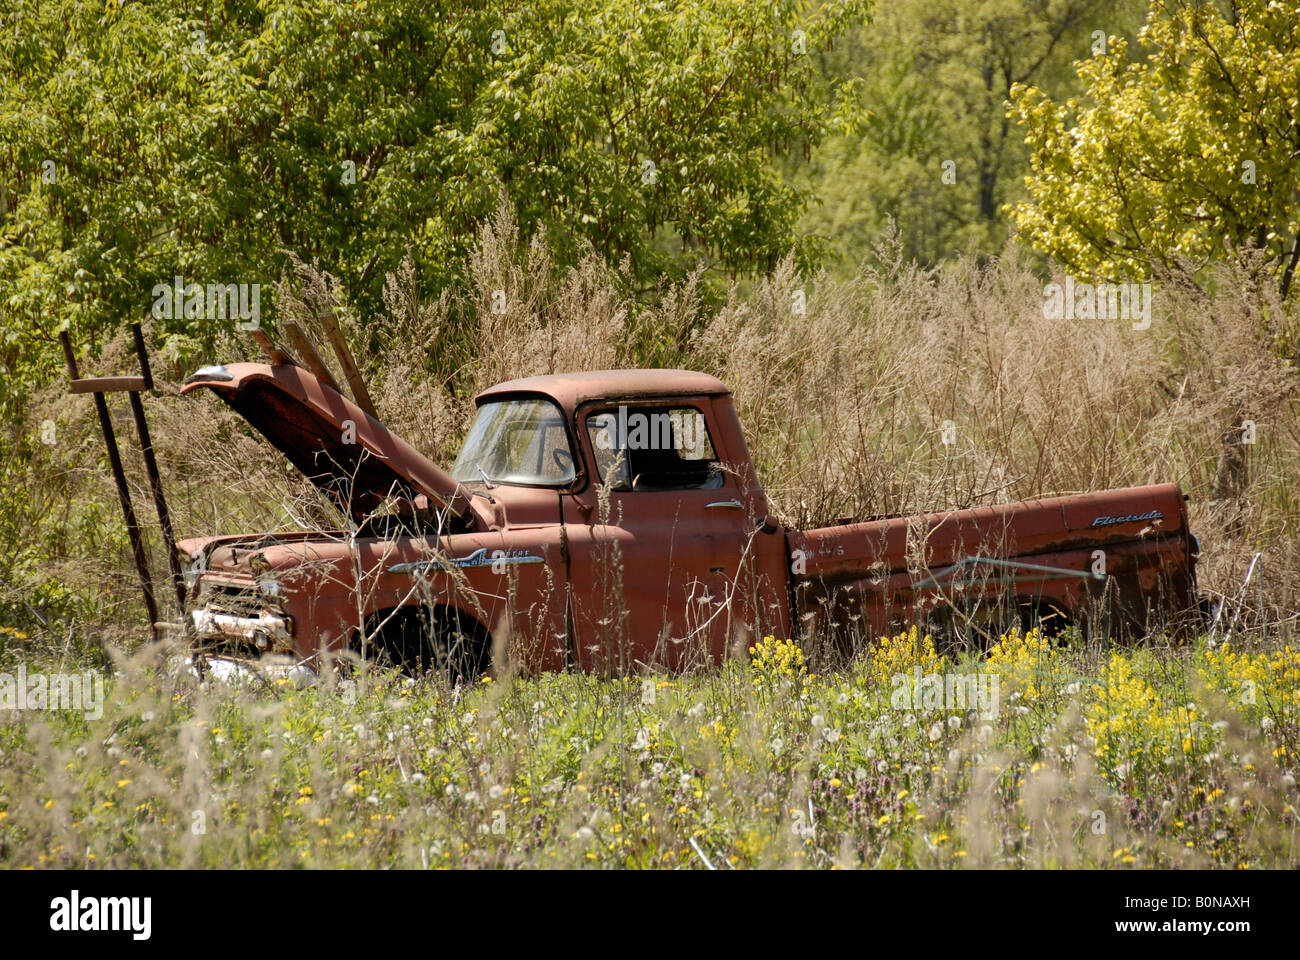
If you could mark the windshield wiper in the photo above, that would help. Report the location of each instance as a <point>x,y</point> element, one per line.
<point>486,479</point>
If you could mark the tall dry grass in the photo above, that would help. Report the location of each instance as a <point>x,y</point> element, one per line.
<point>845,389</point>
<point>845,403</point>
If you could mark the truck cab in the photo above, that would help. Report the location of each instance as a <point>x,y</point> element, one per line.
<point>644,475</point>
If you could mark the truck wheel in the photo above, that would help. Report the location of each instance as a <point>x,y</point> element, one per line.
<point>1050,620</point>
<point>1023,615</point>
<point>420,640</point>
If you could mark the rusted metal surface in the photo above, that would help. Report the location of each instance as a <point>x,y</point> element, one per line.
<point>571,390</point>
<point>329,438</point>
<point>607,580</point>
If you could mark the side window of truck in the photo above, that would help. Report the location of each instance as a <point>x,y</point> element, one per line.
<point>654,448</point>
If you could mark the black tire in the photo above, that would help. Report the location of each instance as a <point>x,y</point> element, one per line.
<point>994,620</point>
<point>421,640</point>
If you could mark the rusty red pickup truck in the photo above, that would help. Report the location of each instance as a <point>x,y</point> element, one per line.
<point>613,521</point>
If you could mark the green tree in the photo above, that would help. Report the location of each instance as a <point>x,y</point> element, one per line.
<point>1190,154</point>
<point>161,138</point>
<point>938,153</point>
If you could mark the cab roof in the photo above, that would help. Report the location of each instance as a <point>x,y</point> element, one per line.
<point>571,390</point>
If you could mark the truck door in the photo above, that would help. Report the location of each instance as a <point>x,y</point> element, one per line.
<point>657,570</point>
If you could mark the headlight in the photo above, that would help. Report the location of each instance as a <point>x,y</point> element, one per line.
<point>193,565</point>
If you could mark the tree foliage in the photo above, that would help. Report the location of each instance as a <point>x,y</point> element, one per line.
<point>937,153</point>
<point>150,139</point>
<point>1189,154</point>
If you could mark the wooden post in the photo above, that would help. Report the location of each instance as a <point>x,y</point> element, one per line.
<point>123,493</point>
<point>273,353</point>
<point>307,350</point>
<point>350,372</point>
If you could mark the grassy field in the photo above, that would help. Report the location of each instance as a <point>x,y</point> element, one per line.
<point>1176,757</point>
<point>1149,756</point>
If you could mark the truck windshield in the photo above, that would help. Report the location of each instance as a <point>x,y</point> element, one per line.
<point>517,442</point>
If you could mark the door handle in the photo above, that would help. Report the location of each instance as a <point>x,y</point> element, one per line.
<point>728,504</point>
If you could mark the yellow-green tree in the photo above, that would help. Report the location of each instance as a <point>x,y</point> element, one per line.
<point>1187,155</point>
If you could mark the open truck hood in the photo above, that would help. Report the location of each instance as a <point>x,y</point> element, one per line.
<point>308,421</point>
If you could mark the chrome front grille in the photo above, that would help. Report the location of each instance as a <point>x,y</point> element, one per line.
<point>240,615</point>
<point>232,599</point>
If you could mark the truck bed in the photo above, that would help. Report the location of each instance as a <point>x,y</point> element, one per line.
<point>1129,547</point>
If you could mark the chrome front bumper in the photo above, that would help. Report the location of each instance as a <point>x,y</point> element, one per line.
<point>265,631</point>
